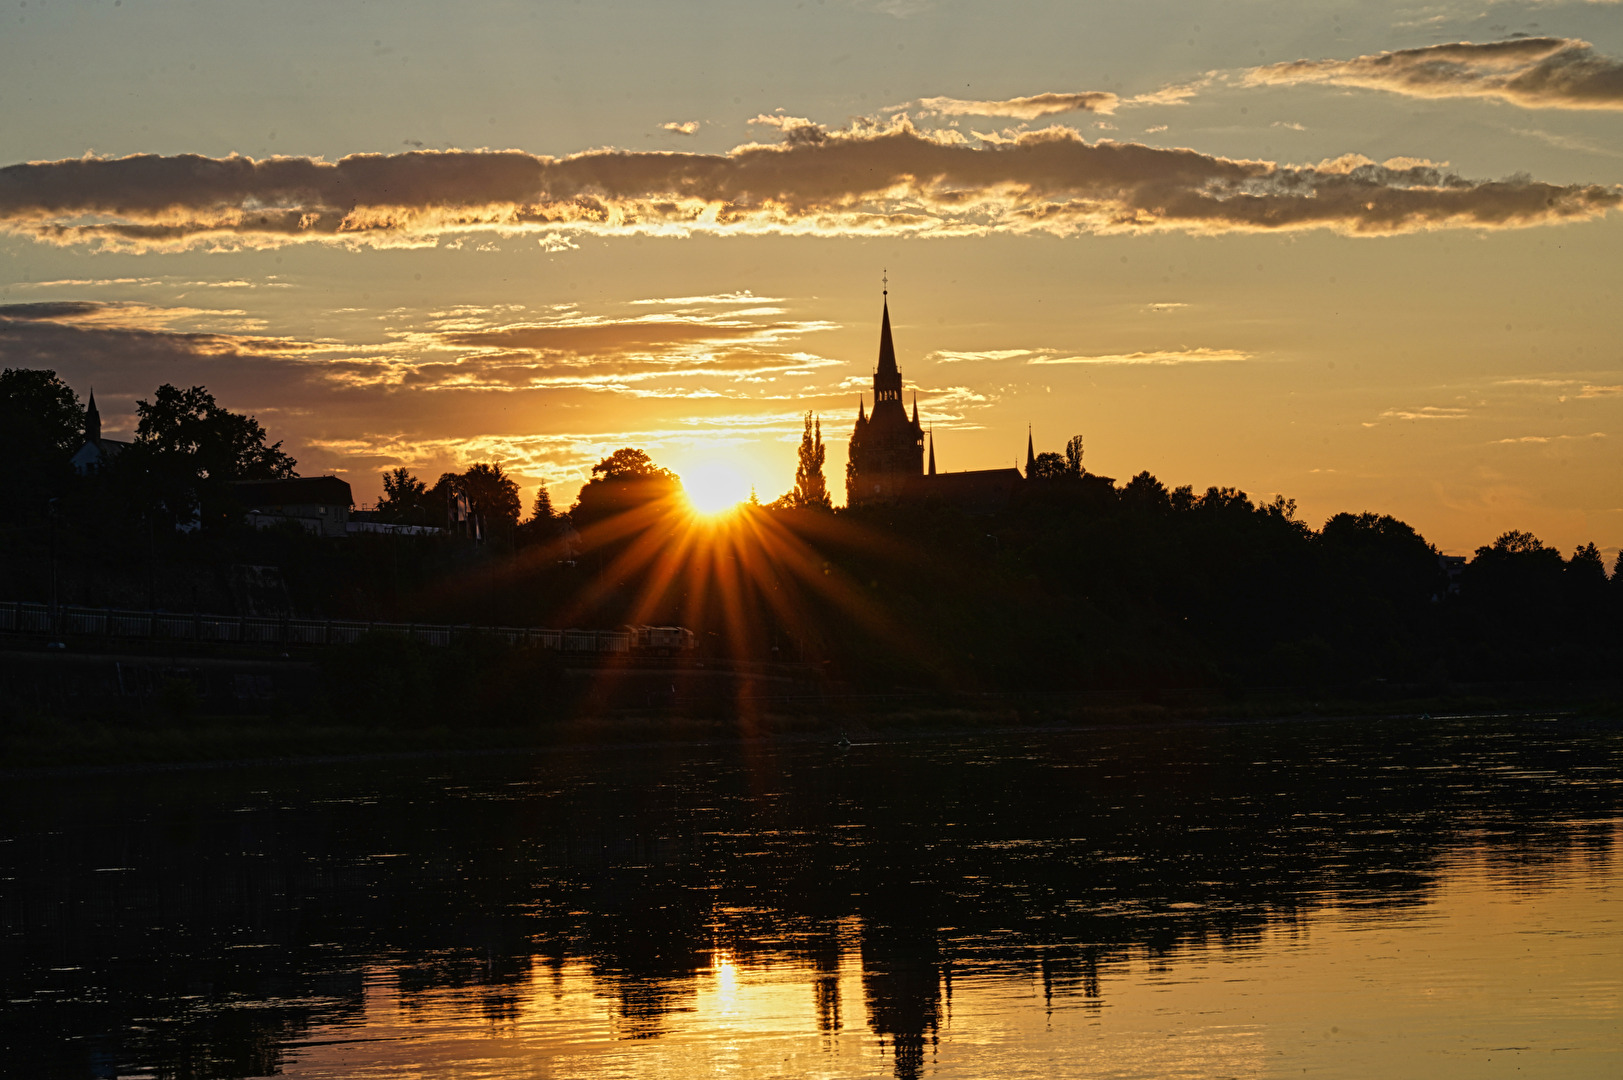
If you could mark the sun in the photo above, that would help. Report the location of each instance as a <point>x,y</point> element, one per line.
<point>714,486</point>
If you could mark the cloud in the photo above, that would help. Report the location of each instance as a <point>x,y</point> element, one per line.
<point>1025,108</point>
<point>459,349</point>
<point>80,283</point>
<point>871,179</point>
<point>1601,391</point>
<point>1057,357</point>
<point>1535,73</point>
<point>946,356</point>
<point>124,314</point>
<point>1037,106</point>
<point>1551,438</point>
<point>682,127</point>
<point>1425,412</point>
<point>744,297</point>
<point>1568,142</point>
<point>1167,356</point>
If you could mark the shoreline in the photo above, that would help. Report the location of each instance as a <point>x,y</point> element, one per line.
<point>186,748</point>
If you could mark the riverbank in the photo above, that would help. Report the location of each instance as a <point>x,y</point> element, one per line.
<point>38,744</point>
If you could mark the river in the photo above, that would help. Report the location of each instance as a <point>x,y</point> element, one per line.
<point>1421,898</point>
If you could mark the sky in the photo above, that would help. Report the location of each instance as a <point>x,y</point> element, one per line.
<point>1363,255</point>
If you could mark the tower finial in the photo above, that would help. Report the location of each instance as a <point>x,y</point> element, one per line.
<point>884,282</point>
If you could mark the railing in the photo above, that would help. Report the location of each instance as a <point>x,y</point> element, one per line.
<point>20,617</point>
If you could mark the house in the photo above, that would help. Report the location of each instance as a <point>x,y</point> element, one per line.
<point>318,504</point>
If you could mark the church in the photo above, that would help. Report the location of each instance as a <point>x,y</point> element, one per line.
<point>887,450</point>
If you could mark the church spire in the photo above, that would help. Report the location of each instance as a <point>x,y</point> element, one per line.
<point>915,408</point>
<point>932,450</point>
<point>1031,458</point>
<point>92,419</point>
<point>862,417</point>
<point>887,350</point>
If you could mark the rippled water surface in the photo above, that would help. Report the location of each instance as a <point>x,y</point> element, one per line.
<point>1333,899</point>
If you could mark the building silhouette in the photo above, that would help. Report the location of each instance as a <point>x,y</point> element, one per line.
<point>887,453</point>
<point>96,452</point>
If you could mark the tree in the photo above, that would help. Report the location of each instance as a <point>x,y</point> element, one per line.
<point>190,449</point>
<point>189,429</point>
<point>1514,542</point>
<point>1048,466</point>
<point>544,523</point>
<point>1146,494</point>
<point>492,495</point>
<point>542,510</point>
<point>811,489</point>
<point>1372,559</point>
<point>405,498</point>
<point>626,481</point>
<point>40,416</point>
<point>1073,456</point>
<point>1219,500</point>
<point>41,425</point>
<point>1587,567</point>
<point>629,463</point>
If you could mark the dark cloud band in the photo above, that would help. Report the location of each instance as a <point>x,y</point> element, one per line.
<point>1535,73</point>
<point>870,179</point>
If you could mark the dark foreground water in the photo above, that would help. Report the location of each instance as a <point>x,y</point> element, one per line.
<point>1422,899</point>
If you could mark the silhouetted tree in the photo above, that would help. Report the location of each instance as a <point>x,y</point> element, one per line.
<point>1224,500</point>
<point>1379,581</point>
<point>1073,456</point>
<point>41,425</point>
<point>1049,466</point>
<point>1146,494</point>
<point>1586,568</point>
<point>405,499</point>
<point>811,489</point>
<point>627,480</point>
<point>189,449</point>
<point>493,496</point>
<point>544,523</point>
<point>1511,598</point>
<point>1587,590</point>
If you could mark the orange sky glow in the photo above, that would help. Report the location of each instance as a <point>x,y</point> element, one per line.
<point>1337,252</point>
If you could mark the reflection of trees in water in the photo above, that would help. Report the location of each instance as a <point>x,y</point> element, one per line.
<point>901,982</point>
<point>235,931</point>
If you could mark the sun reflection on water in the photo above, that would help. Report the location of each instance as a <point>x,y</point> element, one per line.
<point>1342,998</point>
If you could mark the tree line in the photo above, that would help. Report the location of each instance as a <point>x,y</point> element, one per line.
<point>1080,582</point>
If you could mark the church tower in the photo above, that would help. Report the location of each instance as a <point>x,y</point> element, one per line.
<point>887,447</point>
<point>92,420</point>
